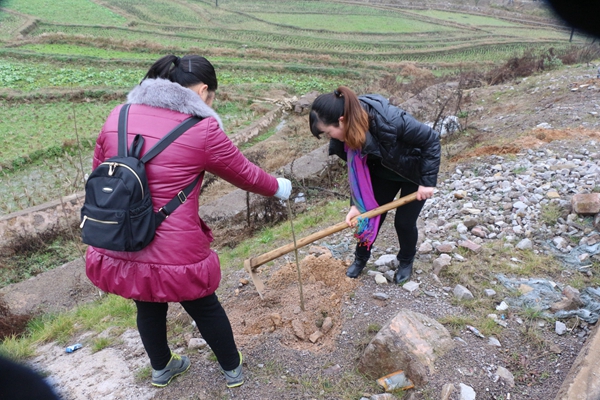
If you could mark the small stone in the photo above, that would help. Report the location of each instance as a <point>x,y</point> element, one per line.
<point>502,306</point>
<point>525,244</point>
<point>334,369</point>
<point>327,325</point>
<point>298,329</point>
<point>506,376</point>
<point>489,292</point>
<point>380,279</point>
<point>479,232</point>
<point>318,251</point>
<point>474,247</point>
<point>492,341</point>
<point>244,281</point>
<point>383,396</point>
<point>467,392</point>
<point>389,275</point>
<point>196,343</point>
<point>276,318</point>
<point>560,328</point>
<point>440,263</point>
<point>388,260</point>
<point>445,248</point>
<point>563,305</point>
<point>553,194</point>
<point>380,296</point>
<point>410,286</point>
<point>462,293</point>
<point>458,257</point>
<point>460,194</point>
<point>524,289</point>
<point>425,248</point>
<point>447,391</point>
<point>315,336</point>
<point>573,295</point>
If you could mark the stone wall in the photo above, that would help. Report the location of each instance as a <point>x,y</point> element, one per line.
<point>56,214</point>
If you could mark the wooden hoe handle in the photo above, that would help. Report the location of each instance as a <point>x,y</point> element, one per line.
<point>252,264</point>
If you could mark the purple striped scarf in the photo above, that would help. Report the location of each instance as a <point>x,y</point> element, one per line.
<point>363,198</point>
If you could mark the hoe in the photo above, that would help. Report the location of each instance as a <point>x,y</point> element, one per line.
<point>252,264</point>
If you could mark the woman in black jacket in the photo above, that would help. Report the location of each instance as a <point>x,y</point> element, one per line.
<point>387,151</point>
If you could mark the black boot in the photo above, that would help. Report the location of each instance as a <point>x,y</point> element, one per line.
<point>357,266</point>
<point>403,272</point>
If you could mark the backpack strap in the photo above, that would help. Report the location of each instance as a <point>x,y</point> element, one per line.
<point>164,212</point>
<point>122,130</point>
<point>169,138</point>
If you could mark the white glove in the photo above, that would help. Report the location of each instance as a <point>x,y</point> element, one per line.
<point>284,190</point>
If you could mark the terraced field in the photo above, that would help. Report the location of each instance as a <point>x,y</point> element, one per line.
<point>64,65</point>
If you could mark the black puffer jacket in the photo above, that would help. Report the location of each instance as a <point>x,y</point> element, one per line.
<point>406,146</point>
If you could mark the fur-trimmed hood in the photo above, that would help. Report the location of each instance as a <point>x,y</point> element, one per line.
<point>163,93</point>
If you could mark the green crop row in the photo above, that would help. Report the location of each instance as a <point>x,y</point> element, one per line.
<point>88,51</point>
<point>352,23</point>
<point>35,130</point>
<point>66,11</point>
<point>32,77</point>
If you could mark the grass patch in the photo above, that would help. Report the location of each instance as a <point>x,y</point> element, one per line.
<point>143,374</point>
<point>110,311</point>
<point>549,213</point>
<point>350,385</point>
<point>373,328</point>
<point>257,139</point>
<point>532,313</point>
<point>489,327</point>
<point>455,323</point>
<point>101,343</point>
<point>280,234</point>
<point>36,255</point>
<point>480,269</point>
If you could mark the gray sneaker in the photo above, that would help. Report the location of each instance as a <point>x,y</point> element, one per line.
<point>177,365</point>
<point>234,377</point>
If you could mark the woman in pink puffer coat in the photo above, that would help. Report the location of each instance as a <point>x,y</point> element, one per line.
<point>178,265</point>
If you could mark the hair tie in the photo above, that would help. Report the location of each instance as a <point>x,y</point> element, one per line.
<point>176,61</point>
<point>337,93</point>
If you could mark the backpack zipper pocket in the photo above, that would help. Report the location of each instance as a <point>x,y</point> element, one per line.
<point>85,218</point>
<point>111,170</point>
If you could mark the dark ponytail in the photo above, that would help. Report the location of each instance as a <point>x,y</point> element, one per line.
<point>342,102</point>
<point>187,71</point>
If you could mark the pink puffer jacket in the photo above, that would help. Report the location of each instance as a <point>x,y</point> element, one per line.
<point>178,264</point>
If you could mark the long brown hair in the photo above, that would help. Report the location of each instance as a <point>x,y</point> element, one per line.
<point>356,119</point>
<point>343,102</point>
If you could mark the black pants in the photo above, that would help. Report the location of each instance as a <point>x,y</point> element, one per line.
<point>405,222</point>
<point>210,318</point>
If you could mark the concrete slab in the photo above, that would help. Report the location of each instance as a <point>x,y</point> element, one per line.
<point>583,380</point>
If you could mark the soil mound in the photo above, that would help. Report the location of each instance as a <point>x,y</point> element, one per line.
<point>324,287</point>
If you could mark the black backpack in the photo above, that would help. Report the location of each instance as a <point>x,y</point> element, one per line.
<point>117,213</point>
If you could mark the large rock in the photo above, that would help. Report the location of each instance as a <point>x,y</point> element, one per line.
<point>586,203</point>
<point>410,342</point>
